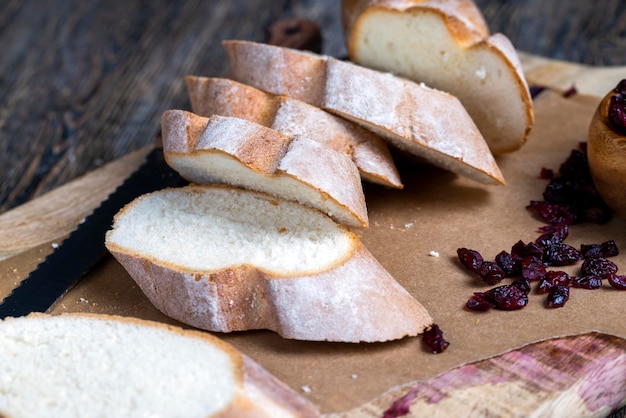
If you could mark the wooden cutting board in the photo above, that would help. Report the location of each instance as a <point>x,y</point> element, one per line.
<point>571,362</point>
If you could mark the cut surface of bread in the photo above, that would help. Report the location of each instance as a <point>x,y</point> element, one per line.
<point>226,259</point>
<point>79,365</point>
<point>224,97</point>
<point>446,45</point>
<point>235,151</point>
<point>425,122</point>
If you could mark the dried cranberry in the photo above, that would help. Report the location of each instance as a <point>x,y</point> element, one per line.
<point>553,213</point>
<point>558,296</point>
<point>533,268</point>
<point>507,297</point>
<point>519,251</point>
<point>597,215</point>
<point>490,272</point>
<point>588,282</point>
<point>570,92</point>
<point>522,284</point>
<point>546,173</point>
<point>470,259</point>
<point>618,282</point>
<point>552,279</point>
<point>508,264</point>
<point>598,266</point>
<point>552,234</point>
<point>617,113</point>
<point>479,302</point>
<point>576,166</point>
<point>606,249</point>
<point>433,338</point>
<point>561,255</point>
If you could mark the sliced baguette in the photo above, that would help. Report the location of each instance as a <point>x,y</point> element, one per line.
<point>425,122</point>
<point>446,44</point>
<point>243,153</point>
<point>79,365</point>
<point>224,97</point>
<point>225,259</point>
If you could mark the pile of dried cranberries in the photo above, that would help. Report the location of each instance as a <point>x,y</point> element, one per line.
<point>569,198</point>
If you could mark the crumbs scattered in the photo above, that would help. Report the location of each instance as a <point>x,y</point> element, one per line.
<point>433,253</point>
<point>83,300</point>
<point>306,389</point>
<point>409,225</point>
<point>354,376</point>
<point>55,245</point>
<point>481,73</point>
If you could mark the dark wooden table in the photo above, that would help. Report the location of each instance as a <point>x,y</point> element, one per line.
<point>84,82</point>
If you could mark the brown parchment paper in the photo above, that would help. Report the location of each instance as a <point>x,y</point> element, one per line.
<point>436,211</point>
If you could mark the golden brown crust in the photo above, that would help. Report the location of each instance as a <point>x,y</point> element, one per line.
<point>353,300</point>
<point>268,152</point>
<point>462,17</point>
<point>218,96</point>
<point>256,146</point>
<point>467,27</point>
<point>606,150</point>
<point>499,45</point>
<point>429,123</point>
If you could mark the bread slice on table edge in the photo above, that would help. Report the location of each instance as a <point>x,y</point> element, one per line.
<point>425,122</point>
<point>259,158</point>
<point>224,97</point>
<point>470,37</point>
<point>257,393</point>
<point>352,299</point>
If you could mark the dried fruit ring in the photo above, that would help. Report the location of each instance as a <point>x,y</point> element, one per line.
<point>606,149</point>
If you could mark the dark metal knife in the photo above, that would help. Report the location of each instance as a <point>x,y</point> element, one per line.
<point>84,247</point>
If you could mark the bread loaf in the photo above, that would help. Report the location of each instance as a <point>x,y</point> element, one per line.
<point>447,45</point>
<point>225,259</point>
<point>107,366</point>
<point>425,122</point>
<point>224,97</point>
<point>243,153</point>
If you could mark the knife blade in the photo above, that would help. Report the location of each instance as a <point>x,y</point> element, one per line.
<point>84,247</point>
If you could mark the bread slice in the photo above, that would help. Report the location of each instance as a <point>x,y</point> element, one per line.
<point>79,365</point>
<point>446,44</point>
<point>243,153</point>
<point>225,259</point>
<point>425,122</point>
<point>224,97</point>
